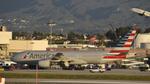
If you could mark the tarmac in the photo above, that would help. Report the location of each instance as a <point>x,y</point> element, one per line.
<point>72,81</point>
<point>113,71</point>
<point>77,81</point>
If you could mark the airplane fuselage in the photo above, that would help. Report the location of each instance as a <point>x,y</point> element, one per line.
<point>82,56</point>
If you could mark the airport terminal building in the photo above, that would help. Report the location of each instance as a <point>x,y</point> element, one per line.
<point>142,41</point>
<point>8,46</point>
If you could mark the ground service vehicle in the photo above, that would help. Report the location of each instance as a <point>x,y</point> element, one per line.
<point>144,67</point>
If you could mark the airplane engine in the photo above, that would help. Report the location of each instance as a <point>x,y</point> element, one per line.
<point>64,64</point>
<point>48,62</point>
<point>44,63</point>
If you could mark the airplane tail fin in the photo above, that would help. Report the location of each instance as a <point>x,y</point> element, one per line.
<point>124,46</point>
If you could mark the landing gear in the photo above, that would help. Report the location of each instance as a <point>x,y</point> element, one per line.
<point>67,66</point>
<point>76,67</point>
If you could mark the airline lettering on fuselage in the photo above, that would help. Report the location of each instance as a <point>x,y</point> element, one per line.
<point>38,55</point>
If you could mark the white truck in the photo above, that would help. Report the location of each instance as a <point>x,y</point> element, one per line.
<point>101,68</point>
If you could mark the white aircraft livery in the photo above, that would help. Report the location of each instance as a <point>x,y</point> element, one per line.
<point>141,12</point>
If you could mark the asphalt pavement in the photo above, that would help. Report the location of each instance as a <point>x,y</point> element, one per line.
<point>72,81</point>
<point>113,71</point>
<point>75,81</point>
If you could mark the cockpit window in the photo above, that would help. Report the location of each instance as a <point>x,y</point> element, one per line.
<point>57,56</point>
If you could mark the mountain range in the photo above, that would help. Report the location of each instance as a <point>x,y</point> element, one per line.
<point>85,16</point>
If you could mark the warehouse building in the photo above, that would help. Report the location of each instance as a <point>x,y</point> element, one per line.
<point>23,45</point>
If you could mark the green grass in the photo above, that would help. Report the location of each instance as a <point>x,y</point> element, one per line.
<point>78,76</point>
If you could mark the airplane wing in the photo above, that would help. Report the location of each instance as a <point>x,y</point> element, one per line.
<point>77,61</point>
<point>69,60</point>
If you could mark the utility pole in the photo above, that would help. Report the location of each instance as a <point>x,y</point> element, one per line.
<point>36,74</point>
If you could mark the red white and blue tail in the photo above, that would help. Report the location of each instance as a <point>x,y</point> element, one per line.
<point>124,46</point>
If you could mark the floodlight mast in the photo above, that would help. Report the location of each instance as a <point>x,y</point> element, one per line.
<point>51,25</point>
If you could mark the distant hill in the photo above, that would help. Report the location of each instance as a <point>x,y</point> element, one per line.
<point>86,16</point>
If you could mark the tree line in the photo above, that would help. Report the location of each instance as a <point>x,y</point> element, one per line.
<point>75,37</point>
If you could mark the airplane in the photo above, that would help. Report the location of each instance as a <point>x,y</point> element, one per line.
<point>31,58</point>
<point>77,58</point>
<point>141,12</point>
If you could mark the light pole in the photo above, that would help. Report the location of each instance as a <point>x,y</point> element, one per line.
<point>51,25</point>
<point>61,31</point>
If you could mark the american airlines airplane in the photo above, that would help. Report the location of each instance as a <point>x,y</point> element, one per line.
<point>77,57</point>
